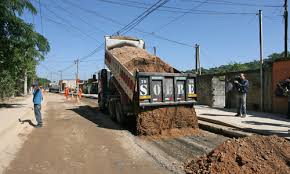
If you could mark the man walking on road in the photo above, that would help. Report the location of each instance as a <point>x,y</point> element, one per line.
<point>37,98</point>
<point>242,85</point>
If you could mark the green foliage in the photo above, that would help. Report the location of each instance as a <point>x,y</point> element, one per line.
<point>275,56</point>
<point>21,47</point>
<point>236,66</point>
<point>43,82</point>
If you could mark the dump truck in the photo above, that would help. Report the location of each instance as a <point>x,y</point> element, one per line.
<point>140,87</point>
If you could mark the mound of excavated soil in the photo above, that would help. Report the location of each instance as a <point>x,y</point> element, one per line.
<point>159,121</point>
<point>139,59</point>
<point>255,154</point>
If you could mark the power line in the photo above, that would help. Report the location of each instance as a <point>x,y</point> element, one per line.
<point>68,22</point>
<point>230,3</point>
<point>93,12</point>
<point>40,13</point>
<point>182,15</point>
<point>128,27</point>
<point>164,38</point>
<point>65,26</point>
<point>176,9</point>
<point>141,17</point>
<point>132,24</point>
<point>68,67</point>
<point>81,19</point>
<point>47,68</point>
<point>121,24</point>
<point>99,48</point>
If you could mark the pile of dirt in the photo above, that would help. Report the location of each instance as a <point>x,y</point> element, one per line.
<point>160,121</point>
<point>139,59</point>
<point>255,154</point>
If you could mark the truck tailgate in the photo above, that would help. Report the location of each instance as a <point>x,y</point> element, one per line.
<point>157,89</point>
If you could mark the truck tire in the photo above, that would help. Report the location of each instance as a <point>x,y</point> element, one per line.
<point>112,110</point>
<point>119,113</point>
<point>101,106</point>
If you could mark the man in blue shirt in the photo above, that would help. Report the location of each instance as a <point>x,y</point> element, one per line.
<point>242,86</point>
<point>37,98</point>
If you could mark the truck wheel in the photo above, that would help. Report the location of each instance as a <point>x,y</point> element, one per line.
<point>119,113</point>
<point>112,110</point>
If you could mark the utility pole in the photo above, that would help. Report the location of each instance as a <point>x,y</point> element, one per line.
<point>60,80</point>
<point>197,60</point>
<point>77,75</point>
<point>286,28</point>
<point>51,77</point>
<point>77,62</point>
<point>199,67</point>
<point>25,83</point>
<point>261,59</point>
<point>154,51</point>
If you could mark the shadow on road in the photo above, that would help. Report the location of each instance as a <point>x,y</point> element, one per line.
<point>222,115</point>
<point>27,121</point>
<point>11,105</point>
<point>97,117</point>
<point>264,123</point>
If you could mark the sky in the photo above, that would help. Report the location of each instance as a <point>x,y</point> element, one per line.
<point>226,30</point>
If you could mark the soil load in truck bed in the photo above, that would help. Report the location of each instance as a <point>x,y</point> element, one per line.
<point>158,120</point>
<point>139,59</point>
<point>254,154</point>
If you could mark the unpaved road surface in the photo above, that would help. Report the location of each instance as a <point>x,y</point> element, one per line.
<point>77,138</point>
<point>70,143</point>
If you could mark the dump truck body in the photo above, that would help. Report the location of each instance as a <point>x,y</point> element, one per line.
<point>124,92</point>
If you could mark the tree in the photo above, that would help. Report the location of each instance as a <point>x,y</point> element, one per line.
<point>275,56</point>
<point>44,82</point>
<point>236,66</point>
<point>21,46</point>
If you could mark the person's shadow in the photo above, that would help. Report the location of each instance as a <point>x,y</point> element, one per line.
<point>27,121</point>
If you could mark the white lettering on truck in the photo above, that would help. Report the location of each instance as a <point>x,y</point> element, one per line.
<point>143,87</point>
<point>191,88</point>
<point>180,90</point>
<point>157,89</point>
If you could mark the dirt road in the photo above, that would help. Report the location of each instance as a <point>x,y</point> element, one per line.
<point>70,143</point>
<point>77,138</point>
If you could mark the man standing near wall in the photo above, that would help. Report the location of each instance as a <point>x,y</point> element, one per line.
<point>242,85</point>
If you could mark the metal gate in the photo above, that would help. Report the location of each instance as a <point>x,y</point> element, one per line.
<point>218,91</point>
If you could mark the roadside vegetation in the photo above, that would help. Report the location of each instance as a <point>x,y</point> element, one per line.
<point>21,46</point>
<point>237,66</point>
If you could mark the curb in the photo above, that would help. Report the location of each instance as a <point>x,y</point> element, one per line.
<point>223,130</point>
<point>230,130</point>
<point>218,122</point>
